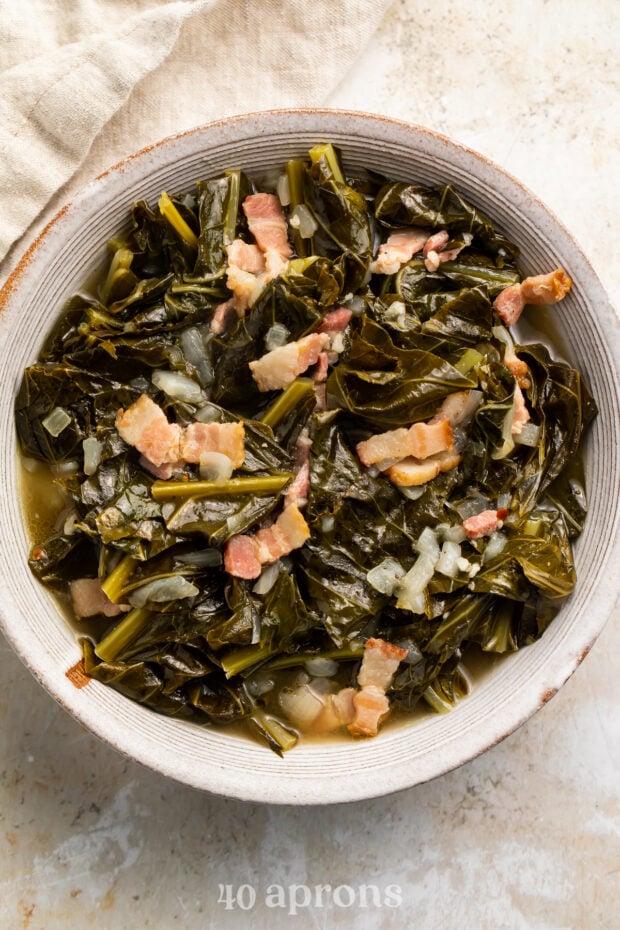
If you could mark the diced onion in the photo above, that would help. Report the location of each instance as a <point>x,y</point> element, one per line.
<point>69,524</point>
<point>215,466</point>
<point>267,579</point>
<point>178,386</point>
<point>321,668</point>
<point>386,576</point>
<point>259,685</point>
<point>529,435</point>
<point>56,421</point>
<point>447,564</point>
<point>496,543</point>
<point>210,413</point>
<point>301,706</point>
<point>276,336</point>
<point>92,454</point>
<point>455,534</point>
<point>356,305</point>
<point>412,494</point>
<point>162,590</point>
<point>427,544</point>
<point>413,585</point>
<point>64,469</point>
<point>283,190</point>
<point>327,524</point>
<point>193,345</point>
<point>472,506</point>
<point>302,220</point>
<point>463,564</point>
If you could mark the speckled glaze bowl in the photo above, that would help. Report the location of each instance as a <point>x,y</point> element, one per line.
<point>588,333</point>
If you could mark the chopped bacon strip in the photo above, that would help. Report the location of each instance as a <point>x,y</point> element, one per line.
<point>226,438</point>
<point>546,288</point>
<point>336,321</point>
<point>241,557</point>
<point>245,286</point>
<point>456,408</point>
<point>400,247</point>
<point>145,426</point>
<point>320,372</point>
<point>279,368</point>
<point>244,556</point>
<point>166,445</point>
<point>224,312</point>
<point>246,256</point>
<point>380,661</point>
<point>518,367</point>
<point>89,598</point>
<point>297,491</point>
<point>435,254</point>
<point>421,441</point>
<point>539,289</point>
<point>371,705</point>
<point>483,524</point>
<point>267,223</point>
<point>412,472</point>
<point>522,414</point>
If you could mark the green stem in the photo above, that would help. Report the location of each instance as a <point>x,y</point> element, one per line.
<point>243,658</point>
<point>115,582</point>
<point>259,484</point>
<point>296,173</point>
<point>232,206</point>
<point>172,215</point>
<point>328,152</point>
<point>279,736</point>
<point>286,401</point>
<point>290,661</point>
<point>123,633</point>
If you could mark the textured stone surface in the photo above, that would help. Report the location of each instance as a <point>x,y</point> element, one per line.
<point>526,837</point>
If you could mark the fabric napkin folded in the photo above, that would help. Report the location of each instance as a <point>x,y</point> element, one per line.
<point>84,84</point>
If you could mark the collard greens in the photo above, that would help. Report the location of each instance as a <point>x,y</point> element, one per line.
<point>416,337</point>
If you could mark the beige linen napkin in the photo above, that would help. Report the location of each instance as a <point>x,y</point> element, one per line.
<point>86,83</point>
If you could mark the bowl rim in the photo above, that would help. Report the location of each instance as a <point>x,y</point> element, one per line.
<point>280,792</point>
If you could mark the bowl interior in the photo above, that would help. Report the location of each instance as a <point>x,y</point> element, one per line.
<point>586,332</point>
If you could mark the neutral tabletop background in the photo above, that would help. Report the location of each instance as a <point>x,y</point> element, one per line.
<point>526,837</point>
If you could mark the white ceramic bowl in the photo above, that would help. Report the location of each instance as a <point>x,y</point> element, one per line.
<point>65,255</point>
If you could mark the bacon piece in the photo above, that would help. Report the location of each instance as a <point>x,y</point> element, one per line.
<point>518,367</point>
<point>421,441</point>
<point>509,304</point>
<point>371,705</point>
<point>483,524</point>
<point>399,248</point>
<point>267,223</point>
<point>455,408</point>
<point>435,254</point>
<point>320,372</point>
<point>145,426</point>
<point>539,289</point>
<point>224,312</point>
<point>290,531</point>
<point>380,661</point>
<point>297,491</point>
<point>412,472</point>
<point>522,414</point>
<point>241,557</point>
<point>279,368</point>
<point>336,321</point>
<point>89,598</point>
<point>166,446</point>
<point>546,288</point>
<point>226,438</point>
<point>245,286</point>
<point>246,256</point>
